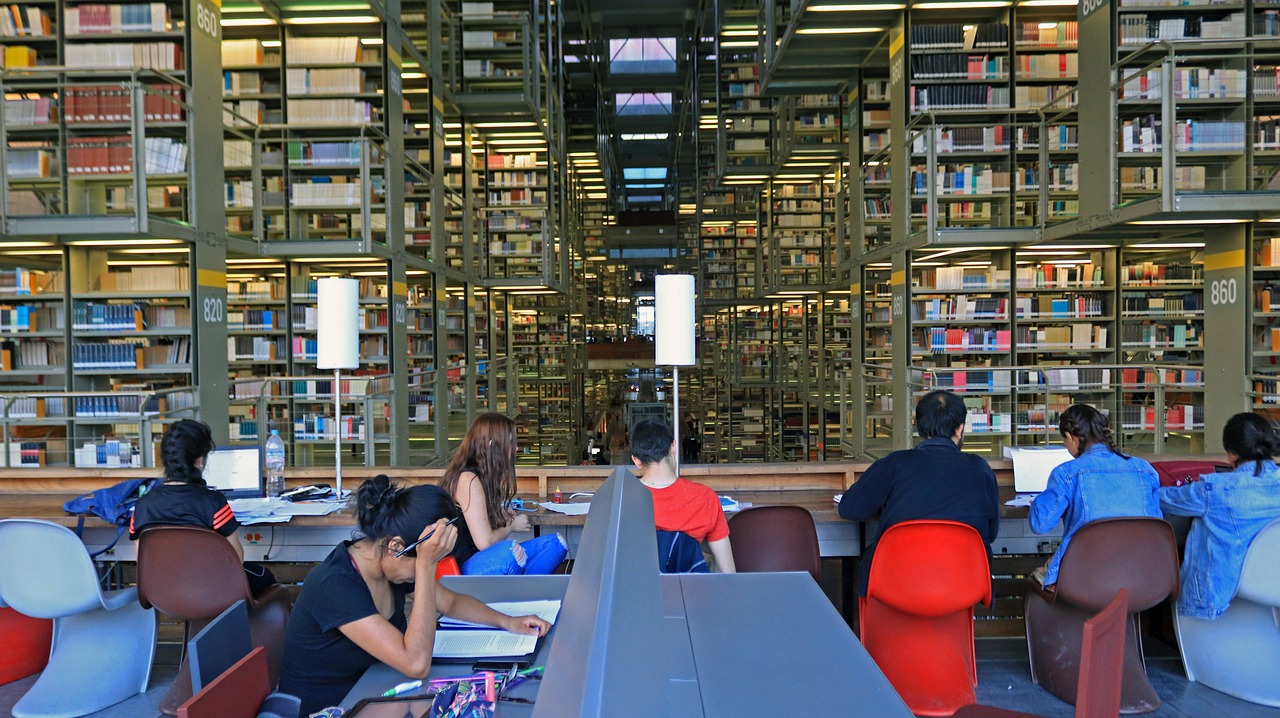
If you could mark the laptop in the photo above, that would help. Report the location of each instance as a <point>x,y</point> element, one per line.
<point>236,471</point>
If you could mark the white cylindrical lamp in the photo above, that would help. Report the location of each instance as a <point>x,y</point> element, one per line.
<point>674,335</point>
<point>337,345</point>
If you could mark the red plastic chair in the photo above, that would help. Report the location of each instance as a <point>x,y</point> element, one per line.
<point>26,644</point>
<point>917,617</point>
<point>1101,667</point>
<point>447,566</point>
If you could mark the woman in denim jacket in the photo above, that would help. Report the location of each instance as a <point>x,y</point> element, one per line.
<point>1232,508</point>
<point>1098,483</point>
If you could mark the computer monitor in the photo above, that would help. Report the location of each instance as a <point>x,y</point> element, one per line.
<point>235,470</point>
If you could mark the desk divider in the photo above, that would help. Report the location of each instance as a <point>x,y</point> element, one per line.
<point>606,660</point>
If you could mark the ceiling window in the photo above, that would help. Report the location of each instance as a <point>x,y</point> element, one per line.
<point>642,55</point>
<point>644,173</point>
<point>643,103</point>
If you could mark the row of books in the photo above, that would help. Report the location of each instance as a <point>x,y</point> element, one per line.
<point>957,97</point>
<point>114,103</point>
<point>255,290</point>
<point>960,308</point>
<point>24,281</point>
<point>1047,67</point>
<point>325,81</point>
<point>1061,178</point>
<point>1081,306</point>
<point>109,453</point>
<point>1070,336</point>
<point>130,17</point>
<point>1145,135</point>
<point>1161,336</point>
<point>241,52</point>
<point>941,340</point>
<point>123,355</point>
<point>29,21</point>
<point>255,348</point>
<point>251,319</point>
<point>1267,255</point>
<point>22,318</point>
<point>114,155</point>
<point>962,180</point>
<point>95,316</point>
<point>145,279</point>
<point>934,278</point>
<point>144,55</point>
<point>28,112</point>
<point>341,193</point>
<point>1152,178</point>
<point>1157,273</point>
<point>30,355</point>
<point>1162,305</point>
<point>1143,418</point>
<point>329,112</point>
<point>29,453</point>
<point>1065,33</point>
<point>959,35</point>
<point>1187,83</point>
<point>1059,275</point>
<point>1139,29</point>
<point>108,406</point>
<point>343,50</point>
<point>959,67</point>
<point>324,154</point>
<point>315,427</point>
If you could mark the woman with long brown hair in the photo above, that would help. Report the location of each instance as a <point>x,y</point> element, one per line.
<point>481,477</point>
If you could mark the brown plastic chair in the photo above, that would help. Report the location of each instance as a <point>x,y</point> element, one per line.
<point>1134,553</point>
<point>1102,653</point>
<point>193,574</point>
<point>237,693</point>
<point>775,538</point>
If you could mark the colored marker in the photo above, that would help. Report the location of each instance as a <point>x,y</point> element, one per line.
<point>403,688</point>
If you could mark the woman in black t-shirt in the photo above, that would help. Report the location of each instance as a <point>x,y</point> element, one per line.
<point>351,614</point>
<point>183,499</point>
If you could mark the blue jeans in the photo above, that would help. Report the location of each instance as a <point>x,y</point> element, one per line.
<point>542,555</point>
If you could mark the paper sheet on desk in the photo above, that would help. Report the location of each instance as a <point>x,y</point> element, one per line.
<point>481,643</point>
<point>1021,500</point>
<point>1033,464</point>
<point>567,509</point>
<point>258,511</point>
<point>310,508</point>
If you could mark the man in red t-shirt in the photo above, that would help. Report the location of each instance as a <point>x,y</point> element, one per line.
<point>679,504</point>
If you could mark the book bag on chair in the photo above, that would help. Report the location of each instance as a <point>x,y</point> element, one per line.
<point>113,504</point>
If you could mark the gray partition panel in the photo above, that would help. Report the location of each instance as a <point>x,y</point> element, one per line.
<point>606,660</point>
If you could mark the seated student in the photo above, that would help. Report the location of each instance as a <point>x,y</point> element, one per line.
<point>935,480</point>
<point>183,499</point>
<point>351,611</point>
<point>1229,510</point>
<point>481,477</point>
<point>1099,483</point>
<point>679,504</point>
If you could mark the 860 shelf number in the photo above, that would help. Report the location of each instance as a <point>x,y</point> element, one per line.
<point>1223,291</point>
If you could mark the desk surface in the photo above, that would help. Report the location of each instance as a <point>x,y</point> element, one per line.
<point>739,645</point>
<point>381,677</point>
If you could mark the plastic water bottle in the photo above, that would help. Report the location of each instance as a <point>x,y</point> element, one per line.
<point>275,464</point>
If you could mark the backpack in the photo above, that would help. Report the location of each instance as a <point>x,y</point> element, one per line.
<point>113,504</point>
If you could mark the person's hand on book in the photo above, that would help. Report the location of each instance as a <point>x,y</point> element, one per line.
<point>528,625</point>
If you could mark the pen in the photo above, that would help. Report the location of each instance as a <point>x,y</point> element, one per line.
<point>403,688</point>
<point>430,533</point>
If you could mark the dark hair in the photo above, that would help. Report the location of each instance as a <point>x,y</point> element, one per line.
<point>1251,438</point>
<point>184,443</point>
<point>384,510</point>
<point>651,441</point>
<point>488,450</point>
<point>939,414</point>
<point>1088,425</point>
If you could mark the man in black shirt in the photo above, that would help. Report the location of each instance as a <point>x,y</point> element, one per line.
<point>935,480</point>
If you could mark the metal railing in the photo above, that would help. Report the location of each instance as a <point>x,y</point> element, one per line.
<point>74,410</point>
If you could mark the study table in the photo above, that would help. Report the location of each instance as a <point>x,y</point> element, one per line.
<point>743,645</point>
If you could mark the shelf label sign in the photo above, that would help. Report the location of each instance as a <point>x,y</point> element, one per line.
<point>1089,7</point>
<point>207,19</point>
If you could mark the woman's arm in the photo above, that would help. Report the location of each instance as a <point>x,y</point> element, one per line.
<point>410,652</point>
<point>466,608</point>
<point>234,540</point>
<point>1188,500</point>
<point>723,553</point>
<point>470,496</point>
<point>1047,508</point>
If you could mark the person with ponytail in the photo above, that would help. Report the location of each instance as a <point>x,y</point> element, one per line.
<point>481,477</point>
<point>183,499</point>
<point>1098,483</point>
<point>351,611</point>
<point>1228,511</point>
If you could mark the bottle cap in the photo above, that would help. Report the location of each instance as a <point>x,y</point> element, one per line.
<point>275,432</point>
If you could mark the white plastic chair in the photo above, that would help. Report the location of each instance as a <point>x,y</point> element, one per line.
<point>1238,653</point>
<point>103,642</point>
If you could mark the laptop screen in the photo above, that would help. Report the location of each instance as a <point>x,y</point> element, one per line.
<point>235,470</point>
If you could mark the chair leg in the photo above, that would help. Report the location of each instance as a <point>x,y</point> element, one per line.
<point>99,658</point>
<point>1137,695</point>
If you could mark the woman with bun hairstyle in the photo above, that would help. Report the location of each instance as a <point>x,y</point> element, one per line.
<point>481,477</point>
<point>183,498</point>
<point>351,611</point>
<point>1098,482</point>
<point>1228,510</point>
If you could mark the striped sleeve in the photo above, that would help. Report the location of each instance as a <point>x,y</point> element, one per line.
<point>224,521</point>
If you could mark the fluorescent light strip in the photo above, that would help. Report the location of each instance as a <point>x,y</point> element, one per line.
<point>838,30</point>
<point>963,5</point>
<point>1186,222</point>
<point>857,8</point>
